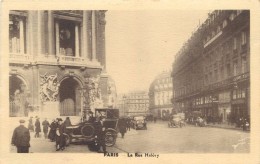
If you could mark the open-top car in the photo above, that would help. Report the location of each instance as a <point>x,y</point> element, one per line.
<point>139,122</point>
<point>88,129</point>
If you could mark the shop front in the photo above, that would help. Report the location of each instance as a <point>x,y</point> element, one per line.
<point>224,106</point>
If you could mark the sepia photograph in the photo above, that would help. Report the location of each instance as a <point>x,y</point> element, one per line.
<point>130,81</point>
<point>140,82</point>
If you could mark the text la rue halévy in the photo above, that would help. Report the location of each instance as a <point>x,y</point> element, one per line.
<point>131,155</point>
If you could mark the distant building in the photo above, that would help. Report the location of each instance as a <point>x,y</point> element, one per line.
<point>160,96</point>
<point>133,103</point>
<point>211,73</point>
<point>121,104</point>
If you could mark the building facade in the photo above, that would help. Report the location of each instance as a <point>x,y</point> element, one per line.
<point>160,96</point>
<point>56,60</point>
<point>211,73</point>
<point>133,103</point>
<point>121,104</point>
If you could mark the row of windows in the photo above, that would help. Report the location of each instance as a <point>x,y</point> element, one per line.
<point>163,86</point>
<point>164,80</point>
<point>216,57</point>
<point>138,101</point>
<point>239,67</point>
<point>236,94</point>
<point>231,17</point>
<point>239,93</point>
<point>138,97</point>
<point>67,34</point>
<point>166,101</point>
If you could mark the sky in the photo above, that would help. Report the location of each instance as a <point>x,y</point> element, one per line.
<point>142,44</point>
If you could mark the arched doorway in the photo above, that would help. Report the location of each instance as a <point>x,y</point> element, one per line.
<point>70,97</point>
<point>18,103</point>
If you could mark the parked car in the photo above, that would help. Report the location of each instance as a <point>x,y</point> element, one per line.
<point>139,122</point>
<point>87,130</point>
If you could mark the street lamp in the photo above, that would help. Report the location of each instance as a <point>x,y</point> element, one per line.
<point>124,105</point>
<point>86,98</point>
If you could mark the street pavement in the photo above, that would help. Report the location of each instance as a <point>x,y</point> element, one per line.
<point>158,138</point>
<point>190,139</point>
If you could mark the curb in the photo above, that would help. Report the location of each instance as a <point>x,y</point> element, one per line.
<point>231,128</point>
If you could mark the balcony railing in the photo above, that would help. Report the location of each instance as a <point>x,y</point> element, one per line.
<point>20,58</point>
<point>72,60</point>
<point>217,85</point>
<point>51,59</point>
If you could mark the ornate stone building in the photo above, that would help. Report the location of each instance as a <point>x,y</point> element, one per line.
<point>211,74</point>
<point>160,96</point>
<point>56,62</point>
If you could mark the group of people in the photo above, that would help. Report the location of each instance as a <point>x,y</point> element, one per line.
<point>57,130</point>
<point>36,127</point>
<point>21,135</point>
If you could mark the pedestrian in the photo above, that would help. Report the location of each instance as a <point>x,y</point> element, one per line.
<point>37,128</point>
<point>45,126</point>
<point>52,132</point>
<point>60,138</point>
<point>101,130</point>
<point>67,122</point>
<point>154,119</point>
<point>128,124</point>
<point>30,125</point>
<point>21,138</point>
<point>122,124</point>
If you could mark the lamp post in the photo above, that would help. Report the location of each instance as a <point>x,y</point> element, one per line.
<point>124,105</point>
<point>86,98</point>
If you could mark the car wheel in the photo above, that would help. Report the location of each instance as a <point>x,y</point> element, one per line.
<point>110,139</point>
<point>68,139</point>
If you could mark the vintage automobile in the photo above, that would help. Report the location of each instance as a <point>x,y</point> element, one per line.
<point>139,122</point>
<point>176,121</point>
<point>87,130</point>
<point>200,122</point>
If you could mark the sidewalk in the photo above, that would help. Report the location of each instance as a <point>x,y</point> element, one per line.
<point>225,126</point>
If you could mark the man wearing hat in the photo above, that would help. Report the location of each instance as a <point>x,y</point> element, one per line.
<point>37,128</point>
<point>60,140</point>
<point>21,138</point>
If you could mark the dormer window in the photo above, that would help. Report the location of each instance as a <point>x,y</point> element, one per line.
<point>224,23</point>
<point>231,17</point>
<point>243,37</point>
<point>235,43</point>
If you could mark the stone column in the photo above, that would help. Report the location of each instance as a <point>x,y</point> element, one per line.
<point>94,50</point>
<point>30,33</point>
<point>50,33</point>
<point>57,38</point>
<point>39,33</point>
<point>101,39</point>
<point>85,35</point>
<point>76,40</point>
<point>21,36</point>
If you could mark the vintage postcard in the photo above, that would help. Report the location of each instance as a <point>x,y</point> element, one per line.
<point>146,81</point>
